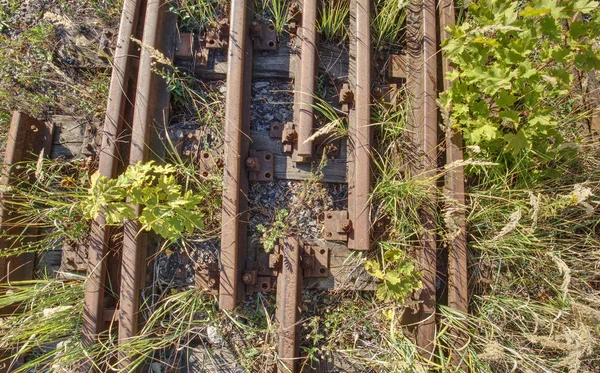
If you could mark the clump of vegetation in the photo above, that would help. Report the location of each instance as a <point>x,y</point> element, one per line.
<point>514,80</point>
<point>197,15</point>
<point>276,231</point>
<point>387,23</point>
<point>275,10</point>
<point>332,20</point>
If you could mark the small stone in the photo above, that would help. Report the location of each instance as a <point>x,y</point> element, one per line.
<point>259,85</point>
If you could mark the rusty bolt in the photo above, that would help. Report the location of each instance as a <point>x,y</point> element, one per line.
<point>255,27</point>
<point>307,261</point>
<point>247,278</point>
<point>288,136</point>
<point>346,225</point>
<point>253,163</point>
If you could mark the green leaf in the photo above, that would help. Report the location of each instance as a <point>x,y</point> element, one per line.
<point>505,99</point>
<point>516,142</point>
<point>484,133</point>
<point>533,12</point>
<point>578,29</point>
<point>585,6</point>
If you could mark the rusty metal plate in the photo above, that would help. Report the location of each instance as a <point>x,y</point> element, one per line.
<point>264,37</point>
<point>276,130</point>
<point>260,166</point>
<point>388,93</point>
<point>218,38</point>
<point>185,45</point>
<point>315,261</point>
<point>337,225</point>
<point>263,284</point>
<point>207,163</point>
<point>396,67</point>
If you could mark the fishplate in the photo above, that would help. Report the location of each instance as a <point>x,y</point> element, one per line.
<point>337,225</point>
<point>264,37</point>
<point>218,37</point>
<point>315,261</point>
<point>260,166</point>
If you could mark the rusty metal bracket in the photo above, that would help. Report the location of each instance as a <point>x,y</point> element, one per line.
<point>264,37</point>
<point>207,278</point>
<point>206,163</point>
<point>346,98</point>
<point>396,67</point>
<point>217,37</point>
<point>260,166</point>
<point>294,17</point>
<point>387,93</point>
<point>189,48</point>
<point>289,136</point>
<point>337,225</point>
<point>315,261</point>
<point>276,130</point>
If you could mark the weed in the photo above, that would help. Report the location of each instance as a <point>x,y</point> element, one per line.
<point>276,10</point>
<point>276,231</point>
<point>199,14</point>
<point>387,23</point>
<point>332,20</point>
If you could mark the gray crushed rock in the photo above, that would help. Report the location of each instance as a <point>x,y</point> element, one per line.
<point>272,102</point>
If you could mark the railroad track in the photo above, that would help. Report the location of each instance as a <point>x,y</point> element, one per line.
<point>138,111</point>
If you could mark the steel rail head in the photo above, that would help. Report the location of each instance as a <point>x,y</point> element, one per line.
<point>306,84</point>
<point>359,237</point>
<point>117,101</point>
<point>230,277</point>
<point>151,104</point>
<point>422,86</point>
<point>289,294</point>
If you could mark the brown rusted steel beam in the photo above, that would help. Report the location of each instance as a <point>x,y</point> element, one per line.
<point>359,237</point>
<point>234,182</point>
<point>150,112</point>
<point>26,139</point>
<point>93,322</point>
<point>305,86</point>
<point>422,86</point>
<point>455,186</point>
<point>458,289</point>
<point>289,295</point>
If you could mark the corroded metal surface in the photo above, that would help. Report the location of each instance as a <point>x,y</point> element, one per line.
<point>359,237</point>
<point>422,87</point>
<point>305,86</point>
<point>236,110</point>
<point>109,156</point>
<point>289,294</point>
<point>151,113</point>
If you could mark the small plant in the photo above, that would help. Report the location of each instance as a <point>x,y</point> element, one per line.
<point>278,230</point>
<point>332,20</point>
<point>166,210</point>
<point>515,69</point>
<point>397,272</point>
<point>196,15</point>
<point>276,10</point>
<point>387,23</point>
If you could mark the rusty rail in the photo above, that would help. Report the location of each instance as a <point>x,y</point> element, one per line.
<point>306,81</point>
<point>289,294</point>
<point>151,111</point>
<point>233,232</point>
<point>360,132</point>
<point>422,86</point>
<point>118,111</point>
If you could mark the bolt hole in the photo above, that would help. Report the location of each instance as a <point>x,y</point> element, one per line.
<point>264,285</point>
<point>205,174</point>
<point>276,128</point>
<point>322,270</point>
<point>206,155</point>
<point>271,43</point>
<point>267,175</point>
<point>271,27</point>
<point>322,251</point>
<point>329,216</point>
<point>268,157</point>
<point>211,41</point>
<point>329,234</point>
